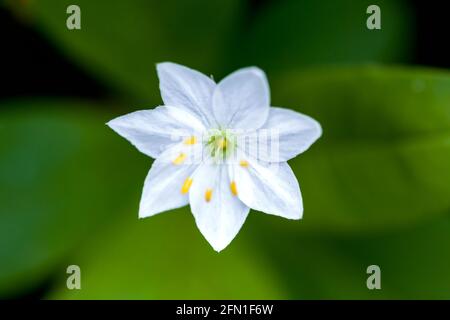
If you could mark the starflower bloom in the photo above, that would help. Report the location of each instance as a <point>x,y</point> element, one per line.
<point>220,148</point>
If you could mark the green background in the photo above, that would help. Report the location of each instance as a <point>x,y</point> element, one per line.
<point>376,186</point>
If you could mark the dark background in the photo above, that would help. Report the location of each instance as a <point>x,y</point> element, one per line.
<point>34,68</point>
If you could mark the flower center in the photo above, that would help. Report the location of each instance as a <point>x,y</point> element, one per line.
<point>221,144</point>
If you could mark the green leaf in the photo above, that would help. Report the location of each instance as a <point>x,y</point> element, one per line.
<point>121,41</point>
<point>414,262</point>
<point>294,34</point>
<point>61,168</point>
<point>384,157</point>
<point>166,257</point>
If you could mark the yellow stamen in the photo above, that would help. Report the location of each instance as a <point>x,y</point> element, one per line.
<point>178,160</point>
<point>233,188</point>
<point>243,163</point>
<point>186,185</point>
<point>208,195</point>
<point>191,140</point>
<point>222,144</point>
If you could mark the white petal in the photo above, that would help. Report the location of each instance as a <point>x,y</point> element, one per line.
<point>220,218</point>
<point>187,88</point>
<point>242,99</point>
<point>289,134</point>
<point>165,180</point>
<point>270,188</point>
<point>152,131</point>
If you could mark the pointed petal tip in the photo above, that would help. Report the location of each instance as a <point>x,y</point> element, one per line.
<point>298,213</point>
<point>142,215</point>
<point>163,64</point>
<point>297,217</point>
<point>115,125</point>
<point>144,211</point>
<point>216,243</point>
<point>164,67</point>
<point>111,123</point>
<point>254,70</point>
<point>319,129</point>
<point>218,247</point>
<point>258,71</point>
<point>145,215</point>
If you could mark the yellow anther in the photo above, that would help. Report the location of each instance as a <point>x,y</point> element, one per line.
<point>186,185</point>
<point>233,188</point>
<point>178,160</point>
<point>208,195</point>
<point>222,143</point>
<point>243,163</point>
<point>191,140</point>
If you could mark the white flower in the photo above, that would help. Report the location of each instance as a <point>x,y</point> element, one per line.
<point>211,143</point>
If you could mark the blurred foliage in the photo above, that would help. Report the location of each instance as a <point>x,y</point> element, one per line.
<point>375,186</point>
<point>57,184</point>
<point>414,261</point>
<point>167,258</point>
<point>294,34</point>
<point>121,41</point>
<point>383,160</point>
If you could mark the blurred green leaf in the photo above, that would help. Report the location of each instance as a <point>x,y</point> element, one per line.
<point>293,34</point>
<point>121,41</point>
<point>414,262</point>
<point>60,170</point>
<point>384,157</point>
<point>166,257</point>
